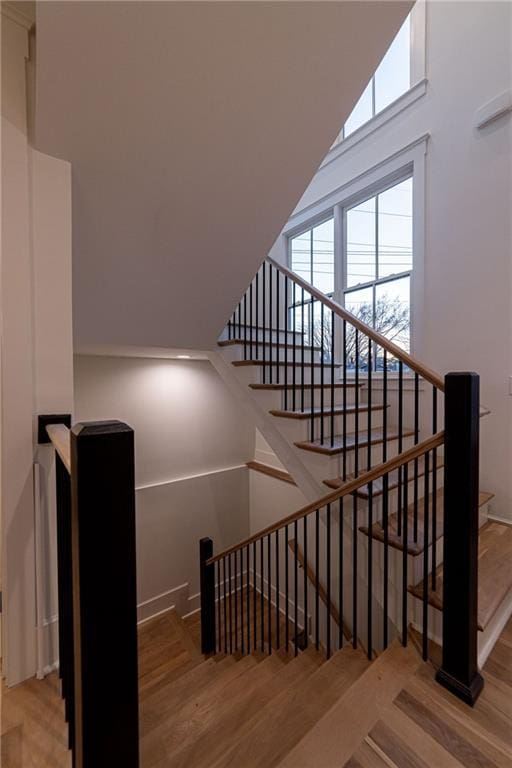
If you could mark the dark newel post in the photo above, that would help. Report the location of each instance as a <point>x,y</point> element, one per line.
<point>207,597</point>
<point>104,595</point>
<point>459,671</point>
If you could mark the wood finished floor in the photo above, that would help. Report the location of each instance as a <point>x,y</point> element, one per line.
<point>280,711</point>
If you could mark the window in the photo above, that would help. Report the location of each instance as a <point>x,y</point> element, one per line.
<point>391,80</point>
<point>378,262</point>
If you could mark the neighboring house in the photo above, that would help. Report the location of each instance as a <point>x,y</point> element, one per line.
<point>153,156</point>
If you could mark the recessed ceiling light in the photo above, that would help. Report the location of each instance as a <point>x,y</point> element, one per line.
<point>184,357</point>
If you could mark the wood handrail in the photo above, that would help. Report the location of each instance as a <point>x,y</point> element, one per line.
<point>345,490</point>
<point>60,437</point>
<point>405,357</point>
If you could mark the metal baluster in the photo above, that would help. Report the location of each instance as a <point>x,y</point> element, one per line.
<point>344,399</point>
<point>264,313</point>
<point>328,575</point>
<point>219,598</point>
<point>332,378</point>
<point>312,371</point>
<point>370,569</point>
<point>245,325</point>
<point>385,412</point>
<point>295,583</point>
<point>405,555</point>
<point>251,320</point>
<point>369,408</point>
<point>400,512</point>
<point>416,465</point>
<point>321,373</point>
<point>271,343</point>
<point>248,554</point>
<point>278,345</point>
<point>225,607</point>
<point>269,591</point>
<point>305,575</point>
<point>278,638</point>
<point>257,310</point>
<point>385,523</point>
<point>340,573</point>
<point>262,596</point>
<point>302,356</point>
<point>356,412</point>
<point>230,606</point>
<point>254,596</point>
<point>426,523</point>
<point>434,492</point>
<point>294,353</point>
<point>236,603</point>
<point>242,599</point>
<point>239,319</point>
<point>286,592</point>
<point>354,571</point>
<point>286,342</point>
<point>317,579</point>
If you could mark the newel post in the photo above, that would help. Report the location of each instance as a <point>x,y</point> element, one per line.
<point>207,578</point>
<point>104,595</point>
<point>459,670</point>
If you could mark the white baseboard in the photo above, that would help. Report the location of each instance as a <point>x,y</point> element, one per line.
<point>176,598</point>
<point>498,519</point>
<point>488,639</point>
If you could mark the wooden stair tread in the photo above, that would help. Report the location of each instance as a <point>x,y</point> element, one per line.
<point>494,572</point>
<point>336,736</point>
<point>289,386</point>
<point>275,344</point>
<point>298,363</point>
<point>378,485</point>
<point>339,445</point>
<point>267,469</point>
<point>236,715</point>
<point>338,410</point>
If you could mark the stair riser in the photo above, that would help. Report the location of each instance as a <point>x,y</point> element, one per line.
<point>323,466</point>
<point>236,353</point>
<point>273,336</point>
<point>296,430</point>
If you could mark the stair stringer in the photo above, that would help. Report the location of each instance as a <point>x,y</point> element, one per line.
<point>311,488</point>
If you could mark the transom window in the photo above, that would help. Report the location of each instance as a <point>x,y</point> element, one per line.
<point>378,262</point>
<point>391,79</point>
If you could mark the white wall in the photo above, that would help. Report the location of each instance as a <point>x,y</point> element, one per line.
<point>467,278</point>
<point>192,441</point>
<point>36,352</point>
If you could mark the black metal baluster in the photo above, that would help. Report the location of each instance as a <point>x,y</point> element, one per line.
<point>269,592</point>
<point>295,584</point>
<point>370,570</point>
<point>400,512</point>
<point>225,606</point>
<point>278,633</point>
<point>245,325</point>
<point>286,342</point>
<point>236,600</point>
<point>271,343</point>
<point>262,596</point>
<point>230,333</point>
<point>286,591</point>
<point>385,523</point>
<point>230,606</point>
<point>332,378</point>
<point>248,557</point>
<point>302,355</point>
<point>239,319</point>
<point>278,344</point>
<point>251,327</point>
<point>340,573</point>
<point>328,577</point>
<point>264,313</point>
<point>219,598</point>
<point>385,412</point>
<point>434,492</point>
<point>312,370</point>
<point>254,596</point>
<point>317,579</point>
<point>344,399</point>
<point>257,311</point>
<point>416,465</point>
<point>356,411</point>
<point>369,408</point>
<point>426,524</point>
<point>354,571</point>
<point>405,556</point>
<point>294,351</point>
<point>322,342</point>
<point>305,577</point>
<point>242,600</point>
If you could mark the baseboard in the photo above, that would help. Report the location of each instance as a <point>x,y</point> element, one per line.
<point>498,519</point>
<point>488,639</point>
<point>176,598</point>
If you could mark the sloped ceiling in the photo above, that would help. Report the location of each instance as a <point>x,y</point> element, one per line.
<point>193,129</point>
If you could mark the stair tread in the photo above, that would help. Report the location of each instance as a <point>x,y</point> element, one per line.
<point>287,717</point>
<point>338,410</point>
<point>298,363</point>
<point>494,572</point>
<point>349,443</point>
<point>415,547</point>
<point>289,386</point>
<point>335,737</point>
<point>378,485</point>
<point>275,344</point>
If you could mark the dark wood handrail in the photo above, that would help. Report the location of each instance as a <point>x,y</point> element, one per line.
<point>393,349</point>
<point>344,490</point>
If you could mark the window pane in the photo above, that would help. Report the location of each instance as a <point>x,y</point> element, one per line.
<point>323,256</point>
<point>393,76</point>
<point>361,243</point>
<point>395,229</point>
<point>392,311</point>
<point>360,303</point>
<point>362,112</point>
<point>301,255</point>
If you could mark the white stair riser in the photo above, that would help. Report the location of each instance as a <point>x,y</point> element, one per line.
<point>296,430</point>
<point>270,355</point>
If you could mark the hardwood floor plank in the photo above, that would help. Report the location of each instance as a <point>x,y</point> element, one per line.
<point>394,747</point>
